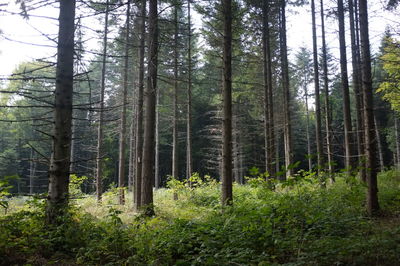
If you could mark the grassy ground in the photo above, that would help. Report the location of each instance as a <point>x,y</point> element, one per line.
<point>299,223</point>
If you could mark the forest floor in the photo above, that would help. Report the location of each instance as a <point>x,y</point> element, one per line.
<point>297,223</point>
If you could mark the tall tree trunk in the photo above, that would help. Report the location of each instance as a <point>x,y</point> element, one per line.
<point>308,130</point>
<point>269,135</point>
<point>122,133</point>
<point>189,165</point>
<point>227,106</point>
<point>61,149</point>
<point>32,172</point>
<point>379,144</point>
<point>370,144</point>
<point>355,60</point>
<point>73,145</point>
<point>345,87</point>
<point>318,131</point>
<point>157,145</point>
<point>139,123</point>
<point>396,135</point>
<point>175,99</point>
<point>326,91</point>
<point>235,144</point>
<point>150,112</point>
<point>100,133</point>
<point>287,130</point>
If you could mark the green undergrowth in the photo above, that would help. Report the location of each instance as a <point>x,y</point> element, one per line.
<point>298,223</point>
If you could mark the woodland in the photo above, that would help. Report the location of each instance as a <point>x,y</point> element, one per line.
<point>192,134</point>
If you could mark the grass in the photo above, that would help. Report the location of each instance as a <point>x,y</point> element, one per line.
<point>299,223</point>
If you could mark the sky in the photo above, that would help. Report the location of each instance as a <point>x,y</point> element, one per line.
<point>30,39</point>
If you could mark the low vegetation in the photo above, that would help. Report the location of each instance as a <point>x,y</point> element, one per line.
<point>297,222</point>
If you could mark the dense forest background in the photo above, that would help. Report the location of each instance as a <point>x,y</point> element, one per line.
<point>27,95</point>
<point>201,133</point>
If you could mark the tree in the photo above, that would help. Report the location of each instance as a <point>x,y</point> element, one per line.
<point>326,92</point>
<point>227,105</point>
<point>346,94</point>
<point>60,158</point>
<point>318,131</point>
<point>189,163</point>
<point>287,130</point>
<point>100,129</point>
<point>150,109</point>
<point>369,127</point>
<point>269,134</point>
<point>139,123</point>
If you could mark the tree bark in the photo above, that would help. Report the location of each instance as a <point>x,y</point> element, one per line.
<point>150,112</point>
<point>139,123</point>
<point>189,164</point>
<point>355,60</point>
<point>287,130</point>
<point>326,91</point>
<point>396,135</point>
<point>346,95</point>
<point>269,134</point>
<point>227,198</point>
<point>175,98</point>
<point>318,131</point>
<point>379,145</point>
<point>57,198</point>
<point>122,133</point>
<point>369,130</point>
<point>100,133</point>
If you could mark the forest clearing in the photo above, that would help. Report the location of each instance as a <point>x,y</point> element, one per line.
<point>199,132</point>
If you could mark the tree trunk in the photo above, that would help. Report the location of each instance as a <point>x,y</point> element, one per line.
<point>326,91</point>
<point>100,134</point>
<point>308,130</point>
<point>346,95</point>
<point>269,134</point>
<point>175,99</point>
<point>318,131</point>
<point>139,123</point>
<point>32,172</point>
<point>287,130</point>
<point>57,198</point>
<point>157,145</point>
<point>378,141</point>
<point>122,133</point>
<point>355,60</point>
<point>227,106</point>
<point>370,144</point>
<point>189,166</point>
<point>150,112</point>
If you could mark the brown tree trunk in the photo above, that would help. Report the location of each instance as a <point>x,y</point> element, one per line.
<point>227,106</point>
<point>150,112</point>
<point>318,131</point>
<point>100,133</point>
<point>355,60</point>
<point>379,145</point>
<point>346,95</point>
<point>122,133</point>
<point>308,130</point>
<point>326,91</point>
<point>189,166</point>
<point>396,135</point>
<point>287,130</point>
<point>157,144</point>
<point>175,99</point>
<point>139,123</point>
<point>269,135</point>
<point>57,198</point>
<point>370,141</point>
